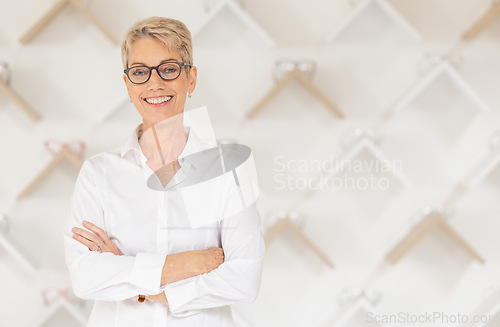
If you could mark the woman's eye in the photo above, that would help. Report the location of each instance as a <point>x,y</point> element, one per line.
<point>169,70</point>
<point>139,72</point>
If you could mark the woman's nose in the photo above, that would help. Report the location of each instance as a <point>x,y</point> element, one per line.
<point>155,81</point>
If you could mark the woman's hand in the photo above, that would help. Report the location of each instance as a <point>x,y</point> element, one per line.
<point>96,240</point>
<point>205,261</point>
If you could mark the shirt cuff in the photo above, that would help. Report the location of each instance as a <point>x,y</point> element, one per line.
<point>147,270</point>
<point>179,295</point>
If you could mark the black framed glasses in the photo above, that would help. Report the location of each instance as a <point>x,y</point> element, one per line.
<point>167,71</point>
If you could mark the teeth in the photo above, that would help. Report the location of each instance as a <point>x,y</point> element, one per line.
<point>157,100</point>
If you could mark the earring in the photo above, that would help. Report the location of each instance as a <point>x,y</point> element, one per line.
<point>189,95</point>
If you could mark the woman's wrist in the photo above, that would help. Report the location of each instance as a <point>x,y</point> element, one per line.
<point>158,297</point>
<point>176,268</point>
<point>188,264</point>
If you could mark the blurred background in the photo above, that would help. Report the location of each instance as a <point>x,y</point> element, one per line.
<point>374,127</point>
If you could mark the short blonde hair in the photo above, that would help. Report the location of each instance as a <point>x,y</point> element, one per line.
<point>173,33</point>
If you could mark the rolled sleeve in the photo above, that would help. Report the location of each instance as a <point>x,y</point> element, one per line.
<point>147,270</point>
<point>179,295</point>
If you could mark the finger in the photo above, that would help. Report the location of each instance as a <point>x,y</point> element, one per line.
<point>86,234</point>
<point>89,244</point>
<point>99,232</point>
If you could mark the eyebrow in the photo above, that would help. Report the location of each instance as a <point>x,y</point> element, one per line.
<point>143,64</point>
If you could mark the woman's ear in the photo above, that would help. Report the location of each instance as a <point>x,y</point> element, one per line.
<point>193,75</point>
<point>126,81</point>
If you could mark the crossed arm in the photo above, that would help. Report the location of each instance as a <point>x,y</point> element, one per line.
<point>177,266</point>
<point>189,280</point>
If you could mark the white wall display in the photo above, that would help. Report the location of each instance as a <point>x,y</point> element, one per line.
<point>486,20</point>
<point>362,6</point>
<point>45,19</point>
<point>230,6</point>
<point>431,219</point>
<point>442,67</point>
<point>5,77</point>
<point>13,248</point>
<point>74,310</point>
<point>303,77</point>
<point>60,65</point>
<point>287,221</point>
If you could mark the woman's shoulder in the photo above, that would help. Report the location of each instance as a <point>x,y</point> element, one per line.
<point>102,159</point>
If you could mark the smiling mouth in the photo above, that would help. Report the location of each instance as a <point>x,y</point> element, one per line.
<point>158,100</point>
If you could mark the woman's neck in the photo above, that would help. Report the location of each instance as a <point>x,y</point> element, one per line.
<point>163,142</point>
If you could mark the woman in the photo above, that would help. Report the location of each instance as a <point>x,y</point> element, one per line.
<point>136,250</point>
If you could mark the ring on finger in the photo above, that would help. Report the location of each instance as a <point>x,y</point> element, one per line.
<point>99,249</point>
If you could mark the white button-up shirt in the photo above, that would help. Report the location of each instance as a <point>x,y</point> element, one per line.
<point>111,191</point>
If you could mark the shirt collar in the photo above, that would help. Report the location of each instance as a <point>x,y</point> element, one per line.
<point>132,142</point>
<point>193,144</point>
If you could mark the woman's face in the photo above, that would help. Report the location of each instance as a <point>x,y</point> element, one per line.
<point>157,99</point>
